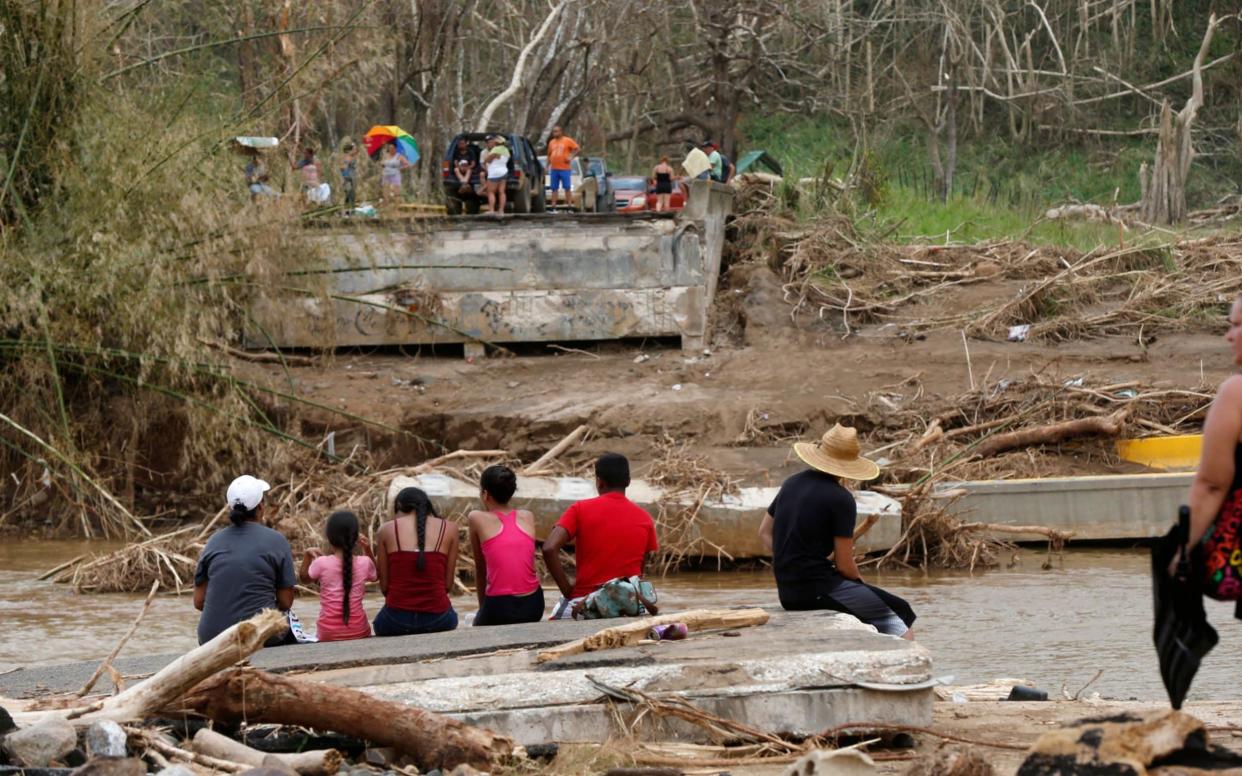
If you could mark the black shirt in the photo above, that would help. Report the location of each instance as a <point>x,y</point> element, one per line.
<point>471,154</point>
<point>809,511</point>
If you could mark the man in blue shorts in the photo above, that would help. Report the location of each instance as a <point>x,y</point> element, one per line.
<point>561,152</point>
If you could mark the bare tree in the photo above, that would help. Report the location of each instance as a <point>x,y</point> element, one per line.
<point>1164,183</point>
<point>519,69</point>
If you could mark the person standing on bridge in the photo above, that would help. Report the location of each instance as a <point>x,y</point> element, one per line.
<point>812,518</point>
<point>697,166</point>
<point>496,165</point>
<point>349,173</point>
<point>391,165</point>
<point>662,183</point>
<point>313,188</point>
<point>562,150</point>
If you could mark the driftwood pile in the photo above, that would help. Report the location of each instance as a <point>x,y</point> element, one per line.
<point>207,683</point>
<point>1143,285</point>
<point>1004,429</point>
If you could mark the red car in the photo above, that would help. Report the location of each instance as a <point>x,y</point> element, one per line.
<point>635,194</point>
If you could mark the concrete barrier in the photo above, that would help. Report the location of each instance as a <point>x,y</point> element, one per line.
<point>531,278</point>
<point>1125,506</point>
<point>799,674</point>
<point>731,523</point>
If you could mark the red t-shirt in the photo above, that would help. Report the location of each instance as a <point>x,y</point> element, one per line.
<point>610,535</point>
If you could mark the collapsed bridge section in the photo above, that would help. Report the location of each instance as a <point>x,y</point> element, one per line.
<point>537,278</point>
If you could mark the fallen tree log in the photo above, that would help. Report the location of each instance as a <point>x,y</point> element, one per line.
<point>321,762</point>
<point>173,680</point>
<point>635,631</point>
<point>1051,434</point>
<point>1057,538</point>
<point>432,740</point>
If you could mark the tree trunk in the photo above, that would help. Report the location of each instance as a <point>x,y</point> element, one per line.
<point>434,741</point>
<point>950,120</point>
<point>1050,434</point>
<point>247,67</point>
<point>1164,200</point>
<point>519,69</point>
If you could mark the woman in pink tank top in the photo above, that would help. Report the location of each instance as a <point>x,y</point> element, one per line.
<point>503,541</point>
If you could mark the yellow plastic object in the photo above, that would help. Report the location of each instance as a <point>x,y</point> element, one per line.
<point>1167,452</point>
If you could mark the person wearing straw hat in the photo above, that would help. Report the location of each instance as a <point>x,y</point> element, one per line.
<point>812,518</point>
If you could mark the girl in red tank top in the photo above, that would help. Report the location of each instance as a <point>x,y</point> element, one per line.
<point>503,541</point>
<point>417,559</point>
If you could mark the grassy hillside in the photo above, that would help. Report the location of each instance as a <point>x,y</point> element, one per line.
<point>1000,189</point>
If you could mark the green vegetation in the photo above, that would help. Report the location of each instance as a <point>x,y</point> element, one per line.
<point>1000,190</point>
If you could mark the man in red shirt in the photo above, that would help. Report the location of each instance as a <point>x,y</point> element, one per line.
<point>612,536</point>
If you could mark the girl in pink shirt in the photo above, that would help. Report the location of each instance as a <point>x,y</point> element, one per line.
<point>342,578</point>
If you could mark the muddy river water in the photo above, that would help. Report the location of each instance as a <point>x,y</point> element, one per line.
<point>1092,611</point>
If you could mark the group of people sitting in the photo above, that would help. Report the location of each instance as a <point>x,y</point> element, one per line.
<point>248,567</point>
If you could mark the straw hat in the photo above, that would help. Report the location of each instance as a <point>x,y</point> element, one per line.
<point>837,452</point>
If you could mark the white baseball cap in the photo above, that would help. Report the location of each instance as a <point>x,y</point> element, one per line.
<point>247,491</point>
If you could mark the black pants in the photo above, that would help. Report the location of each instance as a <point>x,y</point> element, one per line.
<point>510,609</point>
<point>887,612</point>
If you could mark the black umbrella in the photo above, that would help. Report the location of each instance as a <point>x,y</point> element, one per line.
<point>1182,633</point>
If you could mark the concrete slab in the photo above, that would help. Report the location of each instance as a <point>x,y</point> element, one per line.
<point>1126,506</point>
<point>316,657</point>
<point>536,279</point>
<point>731,523</point>
<point>801,673</point>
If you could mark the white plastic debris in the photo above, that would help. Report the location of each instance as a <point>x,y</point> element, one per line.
<point>1019,333</point>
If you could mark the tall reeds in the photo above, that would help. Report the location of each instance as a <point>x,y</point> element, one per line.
<point>41,79</point>
<point>113,198</point>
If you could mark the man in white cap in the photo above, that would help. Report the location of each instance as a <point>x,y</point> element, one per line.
<point>812,518</point>
<point>245,568</point>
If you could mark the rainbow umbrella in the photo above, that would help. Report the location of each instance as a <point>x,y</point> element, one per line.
<point>381,135</point>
